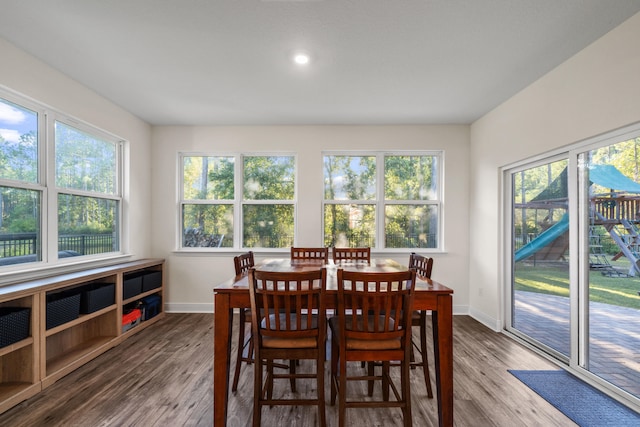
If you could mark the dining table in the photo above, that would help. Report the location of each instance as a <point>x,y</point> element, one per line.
<point>429,295</point>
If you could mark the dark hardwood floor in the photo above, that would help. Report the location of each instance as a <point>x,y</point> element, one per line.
<point>163,376</point>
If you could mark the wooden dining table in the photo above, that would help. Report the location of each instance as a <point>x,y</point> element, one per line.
<point>429,295</point>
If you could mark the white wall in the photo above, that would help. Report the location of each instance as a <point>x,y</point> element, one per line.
<point>28,76</point>
<point>596,91</point>
<point>192,277</point>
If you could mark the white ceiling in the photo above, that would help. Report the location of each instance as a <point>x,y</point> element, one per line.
<point>219,62</point>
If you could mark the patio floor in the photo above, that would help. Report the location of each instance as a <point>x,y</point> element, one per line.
<point>614,335</point>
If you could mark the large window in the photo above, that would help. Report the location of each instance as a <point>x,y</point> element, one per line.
<point>238,201</point>
<point>390,201</point>
<point>51,169</point>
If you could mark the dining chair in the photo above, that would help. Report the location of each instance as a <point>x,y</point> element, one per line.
<point>288,322</point>
<point>423,266</point>
<point>351,254</point>
<point>372,324</point>
<point>310,254</point>
<point>243,263</point>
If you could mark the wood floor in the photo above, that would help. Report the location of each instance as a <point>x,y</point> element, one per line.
<point>163,376</point>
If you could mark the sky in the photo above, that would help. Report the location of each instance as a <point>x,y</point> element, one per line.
<point>16,121</point>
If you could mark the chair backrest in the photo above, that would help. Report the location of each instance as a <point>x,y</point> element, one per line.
<point>310,253</point>
<point>351,254</point>
<point>376,306</point>
<point>285,304</point>
<point>423,265</point>
<point>243,262</point>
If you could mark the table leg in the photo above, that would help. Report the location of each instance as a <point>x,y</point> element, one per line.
<point>443,349</point>
<point>223,322</point>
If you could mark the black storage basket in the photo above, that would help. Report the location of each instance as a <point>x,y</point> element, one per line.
<point>14,324</point>
<point>150,306</point>
<point>132,285</point>
<point>97,296</point>
<point>62,307</point>
<point>151,281</point>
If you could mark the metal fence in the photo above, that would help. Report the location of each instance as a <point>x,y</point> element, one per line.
<point>19,244</point>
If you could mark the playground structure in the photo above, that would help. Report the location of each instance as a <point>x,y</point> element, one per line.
<point>617,212</point>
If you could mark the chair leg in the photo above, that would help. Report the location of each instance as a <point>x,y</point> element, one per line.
<point>269,381</point>
<point>334,372</point>
<point>406,394</point>
<point>423,351</point>
<point>257,393</point>
<point>342,394</point>
<point>241,327</point>
<point>370,372</point>
<point>320,385</point>
<point>385,381</point>
<point>292,371</point>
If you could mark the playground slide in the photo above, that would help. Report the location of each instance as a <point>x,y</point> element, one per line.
<point>544,239</point>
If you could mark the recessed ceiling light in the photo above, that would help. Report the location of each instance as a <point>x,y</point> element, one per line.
<point>301,58</point>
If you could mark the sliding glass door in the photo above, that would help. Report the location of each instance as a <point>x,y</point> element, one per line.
<point>539,297</point>
<point>611,310</point>
<point>572,257</point>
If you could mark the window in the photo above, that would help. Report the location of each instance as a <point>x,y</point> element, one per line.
<point>79,185</point>
<point>390,201</point>
<point>87,182</point>
<point>238,201</point>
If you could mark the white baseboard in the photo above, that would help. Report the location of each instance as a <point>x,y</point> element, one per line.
<point>460,310</point>
<point>188,307</point>
<point>488,321</point>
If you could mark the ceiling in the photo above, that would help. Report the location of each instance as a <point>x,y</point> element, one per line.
<point>227,62</point>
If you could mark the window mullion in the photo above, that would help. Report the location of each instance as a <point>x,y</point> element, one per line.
<point>238,180</point>
<point>380,202</point>
<point>50,207</point>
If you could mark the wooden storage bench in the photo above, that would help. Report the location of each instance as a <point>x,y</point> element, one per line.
<point>47,354</point>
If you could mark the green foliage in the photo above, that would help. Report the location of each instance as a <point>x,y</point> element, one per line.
<point>84,162</point>
<point>269,178</point>
<point>267,226</point>
<point>20,210</point>
<point>18,161</point>
<point>619,291</point>
<point>208,220</point>
<point>85,215</point>
<point>349,177</point>
<point>21,225</point>
<point>409,178</point>
<point>208,178</point>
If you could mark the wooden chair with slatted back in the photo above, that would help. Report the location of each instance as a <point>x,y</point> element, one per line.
<point>372,324</point>
<point>288,322</point>
<point>351,254</point>
<point>243,263</point>
<point>423,266</point>
<point>321,254</point>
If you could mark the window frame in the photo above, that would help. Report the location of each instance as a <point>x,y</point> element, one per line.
<point>380,201</point>
<point>238,202</point>
<point>45,184</point>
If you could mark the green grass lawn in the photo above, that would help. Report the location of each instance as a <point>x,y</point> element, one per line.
<point>621,291</point>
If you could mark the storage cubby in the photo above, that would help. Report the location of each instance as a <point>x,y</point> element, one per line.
<point>71,344</point>
<point>18,357</point>
<point>72,318</point>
